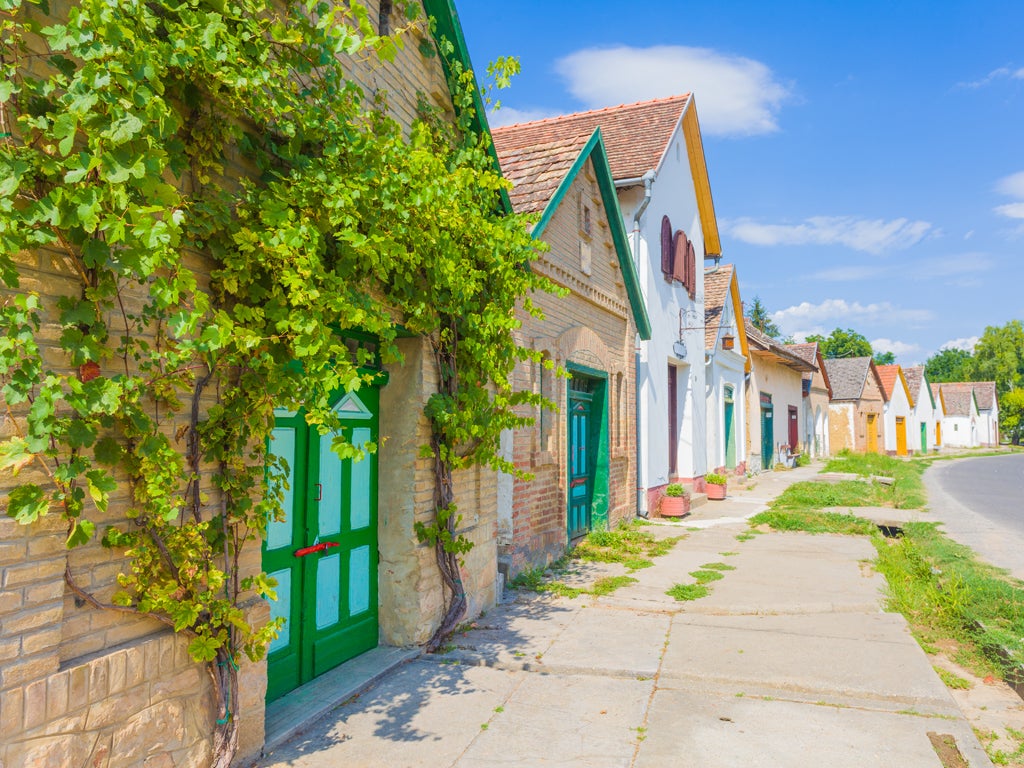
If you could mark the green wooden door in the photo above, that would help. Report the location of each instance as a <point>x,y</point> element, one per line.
<point>582,456</point>
<point>924,438</point>
<point>767,438</point>
<point>324,553</point>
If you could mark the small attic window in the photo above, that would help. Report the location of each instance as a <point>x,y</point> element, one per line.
<point>585,220</point>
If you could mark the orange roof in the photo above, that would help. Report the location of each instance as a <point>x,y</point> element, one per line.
<point>889,374</point>
<point>536,170</point>
<point>635,135</point>
<point>716,289</point>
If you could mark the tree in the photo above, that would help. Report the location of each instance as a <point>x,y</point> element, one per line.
<point>1011,415</point>
<point>842,343</point>
<point>949,365</point>
<point>999,356</point>
<point>885,358</point>
<point>760,319</point>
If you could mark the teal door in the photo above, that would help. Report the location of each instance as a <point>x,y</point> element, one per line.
<point>924,438</point>
<point>767,438</point>
<point>324,553</point>
<point>581,458</point>
<point>730,429</point>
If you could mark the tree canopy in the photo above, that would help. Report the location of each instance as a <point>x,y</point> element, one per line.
<point>999,356</point>
<point>759,317</point>
<point>951,364</point>
<point>843,343</point>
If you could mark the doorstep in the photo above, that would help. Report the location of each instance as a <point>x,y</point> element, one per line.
<point>292,712</point>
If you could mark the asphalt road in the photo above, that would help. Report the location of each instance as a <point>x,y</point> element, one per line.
<point>981,503</point>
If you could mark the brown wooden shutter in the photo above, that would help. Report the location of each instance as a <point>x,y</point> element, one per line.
<point>679,256</point>
<point>691,268</point>
<point>666,247</point>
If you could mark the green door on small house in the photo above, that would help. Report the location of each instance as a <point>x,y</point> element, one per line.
<point>730,429</point>
<point>767,435</point>
<point>587,458</point>
<point>924,438</point>
<point>324,553</point>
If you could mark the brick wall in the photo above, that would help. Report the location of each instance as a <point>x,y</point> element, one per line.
<point>83,686</point>
<point>593,327</point>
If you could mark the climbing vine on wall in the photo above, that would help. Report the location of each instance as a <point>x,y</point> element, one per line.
<point>214,201</point>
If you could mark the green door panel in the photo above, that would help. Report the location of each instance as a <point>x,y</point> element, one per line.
<point>324,552</point>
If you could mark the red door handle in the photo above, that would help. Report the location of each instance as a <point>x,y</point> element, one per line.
<point>315,548</point>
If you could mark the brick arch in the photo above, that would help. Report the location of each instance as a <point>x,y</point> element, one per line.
<point>583,346</point>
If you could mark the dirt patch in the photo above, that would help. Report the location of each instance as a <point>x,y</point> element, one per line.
<point>945,747</point>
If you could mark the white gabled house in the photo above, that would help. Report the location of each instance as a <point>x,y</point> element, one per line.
<point>926,414</point>
<point>960,421</point>
<point>727,366</point>
<point>988,411</point>
<point>897,411</point>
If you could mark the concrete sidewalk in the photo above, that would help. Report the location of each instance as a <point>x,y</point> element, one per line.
<point>788,662</point>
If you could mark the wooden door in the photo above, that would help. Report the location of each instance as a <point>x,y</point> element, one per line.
<point>938,433</point>
<point>924,437</point>
<point>324,552</point>
<point>582,456</point>
<point>767,438</point>
<point>730,429</point>
<point>901,436</point>
<point>794,431</point>
<point>872,433</point>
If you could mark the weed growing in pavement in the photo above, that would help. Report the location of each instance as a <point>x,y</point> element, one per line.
<point>626,544</point>
<point>745,536</point>
<point>907,490</point>
<point>813,521</point>
<point>705,577</point>
<point>719,566</point>
<point>944,590</point>
<point>728,554</point>
<point>951,679</point>
<point>683,592</point>
<point>608,584</point>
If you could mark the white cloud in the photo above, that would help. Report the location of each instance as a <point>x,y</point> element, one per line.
<point>807,318</point>
<point>898,348</point>
<point>869,235</point>
<point>969,234</point>
<point>966,344</point>
<point>735,96</point>
<point>1012,185</point>
<point>496,118</point>
<point>1011,210</point>
<point>995,74</point>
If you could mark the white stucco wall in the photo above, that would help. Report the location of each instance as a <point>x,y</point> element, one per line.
<point>923,413</point>
<point>725,370</point>
<point>672,194</point>
<point>786,388</point>
<point>899,405</point>
<point>960,431</point>
<point>988,421</point>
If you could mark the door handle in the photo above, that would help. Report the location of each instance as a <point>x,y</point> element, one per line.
<point>319,492</point>
<point>316,548</point>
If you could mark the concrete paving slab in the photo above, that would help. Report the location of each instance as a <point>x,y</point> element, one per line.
<point>424,713</point>
<point>872,656</point>
<point>563,720</point>
<point>685,729</point>
<point>611,641</point>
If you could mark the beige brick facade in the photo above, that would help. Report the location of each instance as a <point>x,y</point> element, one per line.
<point>84,686</point>
<point>592,327</point>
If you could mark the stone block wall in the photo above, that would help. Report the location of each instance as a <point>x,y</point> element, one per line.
<point>144,705</point>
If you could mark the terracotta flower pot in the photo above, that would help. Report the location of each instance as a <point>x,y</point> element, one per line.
<point>716,492</point>
<point>673,506</point>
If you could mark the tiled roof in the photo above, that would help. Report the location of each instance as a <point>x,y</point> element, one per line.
<point>716,290</point>
<point>536,170</point>
<point>635,135</point>
<point>937,397</point>
<point>759,342</point>
<point>985,393</point>
<point>848,376</point>
<point>914,376</point>
<point>809,352</point>
<point>889,374</point>
<point>957,396</point>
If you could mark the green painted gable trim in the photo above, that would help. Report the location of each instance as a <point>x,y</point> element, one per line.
<point>594,150</point>
<point>448,26</point>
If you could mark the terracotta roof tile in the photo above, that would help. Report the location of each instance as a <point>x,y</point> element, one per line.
<point>635,135</point>
<point>536,170</point>
<point>889,374</point>
<point>808,352</point>
<point>848,376</point>
<point>914,376</point>
<point>759,342</point>
<point>716,290</point>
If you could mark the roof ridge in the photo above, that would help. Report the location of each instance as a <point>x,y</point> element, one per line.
<point>599,110</point>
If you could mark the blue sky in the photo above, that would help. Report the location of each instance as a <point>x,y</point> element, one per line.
<point>866,158</point>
